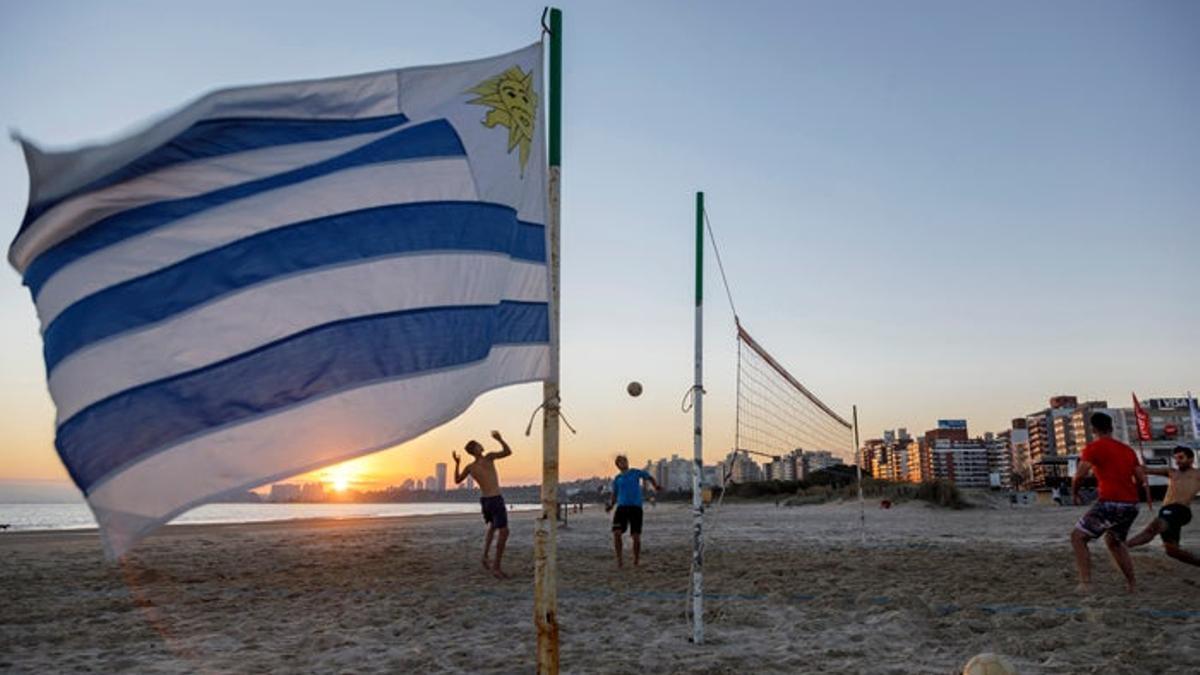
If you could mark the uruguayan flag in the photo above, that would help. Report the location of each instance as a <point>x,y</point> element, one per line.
<point>281,277</point>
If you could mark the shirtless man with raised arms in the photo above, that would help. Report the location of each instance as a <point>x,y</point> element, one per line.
<point>491,502</point>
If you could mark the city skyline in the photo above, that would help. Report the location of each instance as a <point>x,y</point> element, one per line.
<point>1039,450</point>
<point>939,230</point>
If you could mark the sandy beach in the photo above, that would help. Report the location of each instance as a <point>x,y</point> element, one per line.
<point>792,590</point>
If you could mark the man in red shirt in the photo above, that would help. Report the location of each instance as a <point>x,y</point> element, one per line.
<point>1119,472</point>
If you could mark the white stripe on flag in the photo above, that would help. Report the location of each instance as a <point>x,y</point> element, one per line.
<point>350,189</point>
<point>315,434</point>
<point>179,181</point>
<point>54,174</point>
<point>267,312</point>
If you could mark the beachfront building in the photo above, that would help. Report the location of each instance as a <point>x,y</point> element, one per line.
<point>1045,459</point>
<point>999,457</point>
<point>1170,425</point>
<point>1005,463</point>
<point>953,430</point>
<point>739,468</point>
<point>430,484</point>
<point>1004,440</point>
<point>678,473</point>
<point>963,462</point>
<point>1170,421</point>
<point>898,464</point>
<point>868,455</point>
<point>312,492</point>
<point>1124,428</point>
<point>881,467</point>
<point>920,454</point>
<point>284,492</point>
<point>894,455</point>
<point>816,460</point>
<point>674,475</point>
<point>790,466</point>
<point>1073,432</point>
<point>889,455</point>
<point>656,469</point>
<point>974,462</point>
<point>439,471</point>
<point>1018,450</point>
<point>919,467</point>
<point>773,470</point>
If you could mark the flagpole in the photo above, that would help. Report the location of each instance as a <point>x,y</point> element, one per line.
<point>697,438</point>
<point>1143,420</point>
<point>545,550</point>
<point>1194,414</point>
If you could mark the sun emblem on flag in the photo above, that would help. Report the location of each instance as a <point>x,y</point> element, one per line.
<point>513,106</point>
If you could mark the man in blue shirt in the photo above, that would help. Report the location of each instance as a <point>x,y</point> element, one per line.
<point>627,496</point>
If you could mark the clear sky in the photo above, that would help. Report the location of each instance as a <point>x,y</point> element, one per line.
<point>930,209</point>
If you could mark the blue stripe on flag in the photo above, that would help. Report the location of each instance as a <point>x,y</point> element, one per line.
<point>336,357</point>
<point>346,237</point>
<point>217,137</point>
<point>428,140</point>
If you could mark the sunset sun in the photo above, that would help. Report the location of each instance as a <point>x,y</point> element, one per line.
<point>339,478</point>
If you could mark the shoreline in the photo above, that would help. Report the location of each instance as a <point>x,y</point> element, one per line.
<point>275,523</point>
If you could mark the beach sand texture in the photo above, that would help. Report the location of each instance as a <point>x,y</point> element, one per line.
<point>792,591</point>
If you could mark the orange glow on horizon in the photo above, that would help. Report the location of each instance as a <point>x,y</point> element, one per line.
<point>340,477</point>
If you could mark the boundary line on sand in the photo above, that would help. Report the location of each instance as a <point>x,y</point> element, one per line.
<point>940,610</point>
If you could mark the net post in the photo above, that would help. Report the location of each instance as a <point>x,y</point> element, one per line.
<point>545,543</point>
<point>862,504</point>
<point>697,438</point>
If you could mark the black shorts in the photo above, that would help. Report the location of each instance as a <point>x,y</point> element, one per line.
<point>494,511</point>
<point>628,517</point>
<point>1175,516</point>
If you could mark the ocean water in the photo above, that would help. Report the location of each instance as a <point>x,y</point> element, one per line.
<point>77,516</point>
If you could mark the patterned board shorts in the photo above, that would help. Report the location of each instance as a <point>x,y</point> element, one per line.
<point>1113,518</point>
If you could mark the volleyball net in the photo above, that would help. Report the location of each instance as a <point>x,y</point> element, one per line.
<point>781,425</point>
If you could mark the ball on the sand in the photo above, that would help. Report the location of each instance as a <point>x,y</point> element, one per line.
<point>634,389</point>
<point>989,664</point>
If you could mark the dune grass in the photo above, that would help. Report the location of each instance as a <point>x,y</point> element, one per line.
<point>941,493</point>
